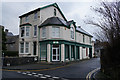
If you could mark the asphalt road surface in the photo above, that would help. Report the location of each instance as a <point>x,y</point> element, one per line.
<point>75,71</point>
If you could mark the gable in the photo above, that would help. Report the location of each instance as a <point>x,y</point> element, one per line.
<point>38,9</point>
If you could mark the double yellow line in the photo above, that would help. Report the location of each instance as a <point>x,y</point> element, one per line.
<point>88,77</point>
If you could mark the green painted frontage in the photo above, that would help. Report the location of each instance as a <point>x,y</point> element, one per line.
<point>75,52</point>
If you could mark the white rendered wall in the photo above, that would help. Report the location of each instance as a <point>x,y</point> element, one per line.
<point>48,52</point>
<point>62,52</point>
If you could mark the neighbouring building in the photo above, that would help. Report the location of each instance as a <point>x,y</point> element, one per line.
<point>46,33</point>
<point>12,43</point>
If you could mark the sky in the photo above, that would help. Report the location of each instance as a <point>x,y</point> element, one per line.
<point>77,10</point>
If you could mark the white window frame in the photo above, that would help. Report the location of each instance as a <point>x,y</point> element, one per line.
<point>27,29</point>
<point>43,32</point>
<point>54,32</point>
<point>35,31</point>
<point>72,33</point>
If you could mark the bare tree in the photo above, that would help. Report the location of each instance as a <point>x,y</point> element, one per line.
<point>109,24</point>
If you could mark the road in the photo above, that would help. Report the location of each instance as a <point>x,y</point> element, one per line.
<point>71,72</point>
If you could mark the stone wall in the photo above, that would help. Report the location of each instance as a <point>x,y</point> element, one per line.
<point>11,61</point>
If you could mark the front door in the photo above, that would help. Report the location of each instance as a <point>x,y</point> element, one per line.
<point>55,54</point>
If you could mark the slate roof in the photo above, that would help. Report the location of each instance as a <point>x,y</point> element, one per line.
<point>83,31</point>
<point>60,22</point>
<point>38,9</point>
<point>54,21</point>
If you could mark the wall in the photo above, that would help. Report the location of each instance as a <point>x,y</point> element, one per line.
<point>18,60</point>
<point>49,12</point>
<point>43,14</point>
<point>12,46</point>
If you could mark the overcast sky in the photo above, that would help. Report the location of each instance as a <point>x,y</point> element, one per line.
<point>77,11</point>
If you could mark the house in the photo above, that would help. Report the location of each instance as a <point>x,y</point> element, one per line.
<point>12,41</point>
<point>46,33</point>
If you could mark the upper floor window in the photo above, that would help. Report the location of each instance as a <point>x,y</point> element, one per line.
<point>27,31</point>
<point>22,31</point>
<point>26,19</point>
<point>43,32</point>
<point>20,20</point>
<point>55,32</point>
<point>35,15</point>
<point>83,38</point>
<point>35,30</point>
<point>54,12</point>
<point>72,33</point>
<point>90,40</point>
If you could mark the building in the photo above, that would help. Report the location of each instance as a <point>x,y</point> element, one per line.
<point>12,42</point>
<point>1,40</point>
<point>45,33</point>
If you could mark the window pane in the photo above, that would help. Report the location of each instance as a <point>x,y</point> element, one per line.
<point>54,12</point>
<point>22,31</point>
<point>54,57</point>
<point>54,51</point>
<point>72,33</point>
<point>35,30</point>
<point>43,51</point>
<point>27,47</point>
<point>22,47</point>
<point>35,15</point>
<point>26,19</point>
<point>27,31</point>
<point>55,32</point>
<point>43,32</point>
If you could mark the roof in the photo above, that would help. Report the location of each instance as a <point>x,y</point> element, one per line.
<point>26,24</point>
<point>60,22</point>
<point>83,31</point>
<point>54,21</point>
<point>12,39</point>
<point>10,34</point>
<point>54,4</point>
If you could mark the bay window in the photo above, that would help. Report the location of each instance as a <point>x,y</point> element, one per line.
<point>43,32</point>
<point>27,31</point>
<point>55,32</point>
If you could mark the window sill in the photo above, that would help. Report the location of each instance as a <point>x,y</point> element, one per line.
<point>24,53</point>
<point>34,36</point>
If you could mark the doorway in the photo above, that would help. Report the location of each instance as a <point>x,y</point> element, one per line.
<point>55,53</point>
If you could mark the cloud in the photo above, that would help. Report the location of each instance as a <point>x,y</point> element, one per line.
<point>12,10</point>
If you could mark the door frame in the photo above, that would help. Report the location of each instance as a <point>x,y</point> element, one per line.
<point>56,54</point>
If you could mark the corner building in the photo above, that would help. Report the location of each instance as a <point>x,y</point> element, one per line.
<point>45,33</point>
